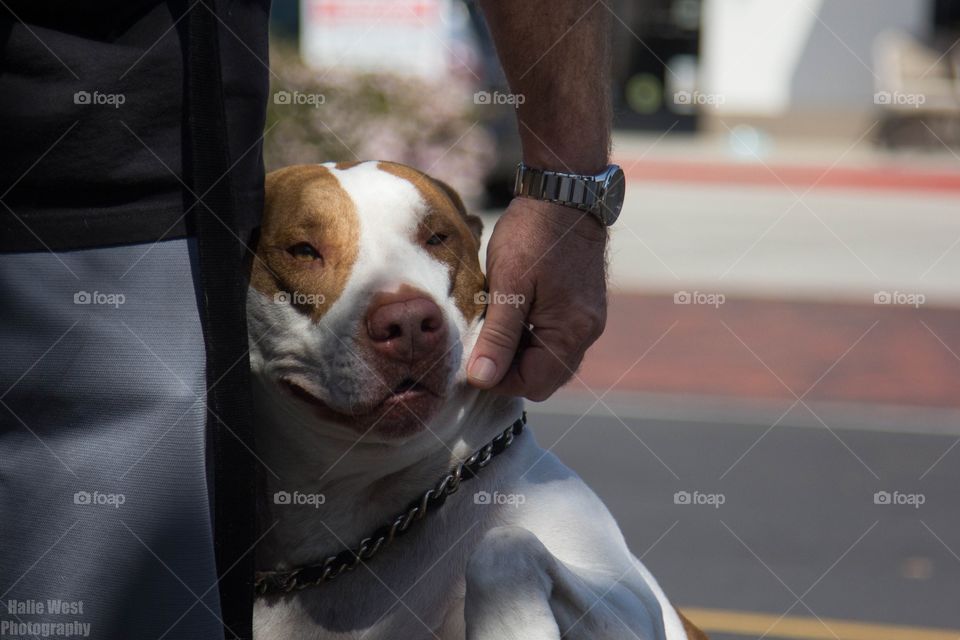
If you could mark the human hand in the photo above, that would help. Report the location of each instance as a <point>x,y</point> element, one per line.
<point>546,268</point>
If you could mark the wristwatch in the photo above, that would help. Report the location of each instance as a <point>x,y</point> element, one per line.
<point>600,195</point>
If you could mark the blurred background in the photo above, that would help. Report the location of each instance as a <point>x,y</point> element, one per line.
<point>773,413</point>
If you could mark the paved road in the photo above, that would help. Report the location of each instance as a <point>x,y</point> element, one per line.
<point>798,520</point>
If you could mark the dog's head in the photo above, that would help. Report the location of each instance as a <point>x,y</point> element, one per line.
<point>365,297</point>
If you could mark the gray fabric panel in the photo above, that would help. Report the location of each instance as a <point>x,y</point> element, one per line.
<point>105,397</point>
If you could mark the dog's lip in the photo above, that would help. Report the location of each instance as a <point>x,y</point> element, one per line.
<point>406,390</point>
<point>408,385</point>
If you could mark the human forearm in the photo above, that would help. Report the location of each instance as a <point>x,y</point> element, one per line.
<point>556,55</point>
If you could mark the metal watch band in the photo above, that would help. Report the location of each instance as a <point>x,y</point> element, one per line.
<point>581,192</point>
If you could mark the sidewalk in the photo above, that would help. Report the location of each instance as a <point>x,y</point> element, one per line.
<point>747,146</point>
<point>810,222</point>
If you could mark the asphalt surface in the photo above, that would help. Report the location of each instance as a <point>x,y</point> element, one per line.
<point>798,517</point>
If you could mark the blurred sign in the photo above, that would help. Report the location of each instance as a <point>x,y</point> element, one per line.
<point>769,58</point>
<point>399,36</point>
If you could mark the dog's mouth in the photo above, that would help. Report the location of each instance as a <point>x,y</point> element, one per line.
<point>407,389</point>
<point>409,393</point>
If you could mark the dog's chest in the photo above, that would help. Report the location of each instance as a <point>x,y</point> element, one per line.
<point>413,590</point>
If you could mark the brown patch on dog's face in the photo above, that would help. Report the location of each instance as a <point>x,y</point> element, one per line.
<point>450,234</point>
<point>308,239</point>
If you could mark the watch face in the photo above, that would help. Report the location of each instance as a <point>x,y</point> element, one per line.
<point>615,188</point>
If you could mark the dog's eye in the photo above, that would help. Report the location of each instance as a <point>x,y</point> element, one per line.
<point>436,239</point>
<point>304,251</point>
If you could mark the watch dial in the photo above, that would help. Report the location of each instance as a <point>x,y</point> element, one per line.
<point>613,196</point>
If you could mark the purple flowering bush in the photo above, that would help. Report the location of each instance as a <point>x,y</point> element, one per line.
<point>318,116</point>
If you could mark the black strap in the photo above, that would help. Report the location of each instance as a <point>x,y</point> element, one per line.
<point>221,256</point>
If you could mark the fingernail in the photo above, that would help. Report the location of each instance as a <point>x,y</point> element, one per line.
<point>483,370</point>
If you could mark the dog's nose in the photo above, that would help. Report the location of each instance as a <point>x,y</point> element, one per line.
<point>406,325</point>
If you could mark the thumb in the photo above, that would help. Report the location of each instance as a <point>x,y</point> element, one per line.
<point>497,344</point>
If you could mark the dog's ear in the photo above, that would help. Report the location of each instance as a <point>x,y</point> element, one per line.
<point>251,254</point>
<point>473,222</point>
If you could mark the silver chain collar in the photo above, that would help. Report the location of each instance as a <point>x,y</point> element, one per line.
<point>285,581</point>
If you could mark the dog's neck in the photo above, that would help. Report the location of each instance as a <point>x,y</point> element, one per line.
<point>347,486</point>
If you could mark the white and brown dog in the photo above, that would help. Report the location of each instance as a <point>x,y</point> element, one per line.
<point>363,308</point>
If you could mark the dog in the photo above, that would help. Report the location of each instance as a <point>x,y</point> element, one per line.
<point>366,297</point>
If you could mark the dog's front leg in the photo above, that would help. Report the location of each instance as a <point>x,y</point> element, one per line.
<point>509,585</point>
<point>517,589</point>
